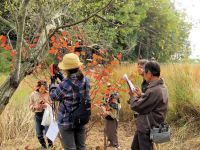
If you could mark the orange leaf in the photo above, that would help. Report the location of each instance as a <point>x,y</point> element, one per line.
<point>102,51</point>
<point>59,58</point>
<point>53,38</point>
<point>55,45</point>
<point>95,56</point>
<point>64,33</point>
<point>35,40</point>
<point>119,56</point>
<point>3,39</point>
<point>12,53</point>
<point>2,45</point>
<point>77,44</point>
<point>98,102</point>
<point>71,49</point>
<point>53,51</point>
<point>32,45</point>
<point>7,47</point>
<point>64,44</point>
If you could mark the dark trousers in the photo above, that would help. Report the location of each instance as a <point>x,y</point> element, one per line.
<point>141,141</point>
<point>73,139</point>
<point>111,132</point>
<point>41,130</point>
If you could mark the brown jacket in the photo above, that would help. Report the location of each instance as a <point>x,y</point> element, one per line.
<point>153,103</point>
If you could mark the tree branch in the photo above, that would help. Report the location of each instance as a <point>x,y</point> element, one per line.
<point>7,23</point>
<point>13,12</point>
<point>83,20</point>
<point>107,21</point>
<point>38,53</point>
<point>43,22</point>
<point>20,35</point>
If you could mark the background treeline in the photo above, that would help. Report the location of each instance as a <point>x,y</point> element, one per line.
<point>138,28</point>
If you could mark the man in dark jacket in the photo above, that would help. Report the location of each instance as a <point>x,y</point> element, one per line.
<point>152,103</point>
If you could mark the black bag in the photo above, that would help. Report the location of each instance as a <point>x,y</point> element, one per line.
<point>80,115</point>
<point>160,134</point>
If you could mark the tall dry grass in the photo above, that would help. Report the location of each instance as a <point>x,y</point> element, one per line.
<point>182,81</point>
<point>16,121</point>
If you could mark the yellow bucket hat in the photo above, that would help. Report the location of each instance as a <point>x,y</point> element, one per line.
<point>70,61</point>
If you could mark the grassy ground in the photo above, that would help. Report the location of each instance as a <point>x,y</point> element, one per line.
<point>96,139</point>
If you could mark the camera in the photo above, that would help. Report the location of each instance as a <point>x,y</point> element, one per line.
<point>55,72</point>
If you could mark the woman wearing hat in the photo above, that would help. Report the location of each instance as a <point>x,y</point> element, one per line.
<point>38,102</point>
<point>73,136</point>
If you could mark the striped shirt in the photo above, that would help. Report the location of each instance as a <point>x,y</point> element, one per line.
<point>65,94</point>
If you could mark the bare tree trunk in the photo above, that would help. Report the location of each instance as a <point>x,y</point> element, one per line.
<point>8,88</point>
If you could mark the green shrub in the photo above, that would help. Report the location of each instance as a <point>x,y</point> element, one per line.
<point>5,60</point>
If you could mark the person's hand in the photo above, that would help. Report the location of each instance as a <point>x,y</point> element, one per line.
<point>37,107</point>
<point>59,75</point>
<point>131,93</point>
<point>138,91</point>
<point>103,108</point>
<point>43,106</point>
<point>53,79</point>
<point>41,102</point>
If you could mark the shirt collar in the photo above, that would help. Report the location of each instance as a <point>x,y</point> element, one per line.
<point>155,83</point>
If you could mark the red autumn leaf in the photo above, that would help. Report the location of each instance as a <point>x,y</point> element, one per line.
<point>35,40</point>
<point>94,62</point>
<point>59,58</point>
<point>64,33</point>
<point>102,51</point>
<point>32,45</point>
<point>64,44</point>
<point>53,51</point>
<point>2,45</point>
<point>53,38</point>
<point>94,56</point>
<point>71,49</point>
<point>7,47</point>
<point>77,44</point>
<point>12,53</point>
<point>114,62</point>
<point>3,39</point>
<point>119,56</point>
<point>78,36</point>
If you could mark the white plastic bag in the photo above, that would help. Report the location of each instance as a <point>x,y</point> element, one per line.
<point>47,116</point>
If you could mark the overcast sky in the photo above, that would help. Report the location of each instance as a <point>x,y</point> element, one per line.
<point>192,9</point>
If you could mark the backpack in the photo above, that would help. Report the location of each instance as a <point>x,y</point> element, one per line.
<point>80,115</point>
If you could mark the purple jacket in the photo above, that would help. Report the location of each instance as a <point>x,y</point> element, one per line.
<point>65,94</point>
